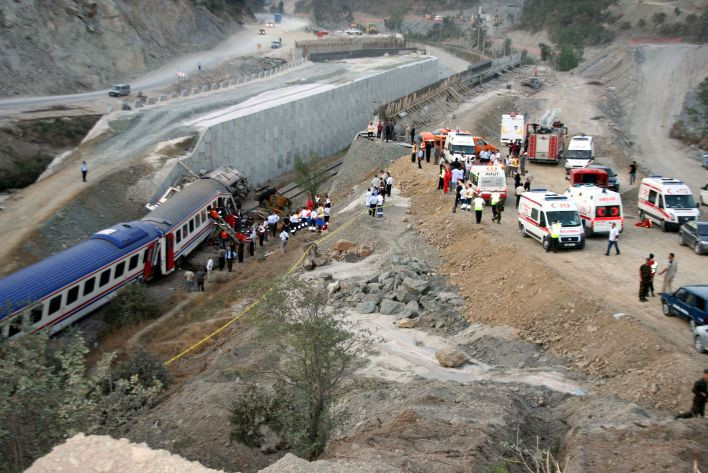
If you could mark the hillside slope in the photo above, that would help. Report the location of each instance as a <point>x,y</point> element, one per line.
<point>68,46</point>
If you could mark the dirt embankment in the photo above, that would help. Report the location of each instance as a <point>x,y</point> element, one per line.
<point>74,45</point>
<point>28,146</point>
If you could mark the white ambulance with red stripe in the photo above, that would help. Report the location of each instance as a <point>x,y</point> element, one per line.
<point>667,202</point>
<point>488,179</point>
<point>539,208</point>
<point>598,207</point>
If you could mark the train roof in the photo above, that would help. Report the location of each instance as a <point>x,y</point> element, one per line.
<point>184,203</point>
<point>35,282</point>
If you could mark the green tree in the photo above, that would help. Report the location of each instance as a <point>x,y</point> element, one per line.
<point>642,23</point>
<point>658,18</point>
<point>395,21</point>
<point>567,59</point>
<point>48,395</point>
<point>308,175</point>
<point>318,350</point>
<point>546,51</point>
<point>677,11</point>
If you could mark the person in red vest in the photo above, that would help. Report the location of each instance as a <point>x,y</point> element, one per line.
<point>310,204</point>
<point>214,214</point>
<point>224,237</point>
<point>231,220</point>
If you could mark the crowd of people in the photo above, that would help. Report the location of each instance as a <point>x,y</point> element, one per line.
<point>375,197</point>
<point>237,238</point>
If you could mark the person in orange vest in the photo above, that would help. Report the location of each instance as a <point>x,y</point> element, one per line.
<point>224,237</point>
<point>214,214</point>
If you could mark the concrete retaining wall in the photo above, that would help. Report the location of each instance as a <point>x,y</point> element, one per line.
<point>263,144</point>
<point>348,43</point>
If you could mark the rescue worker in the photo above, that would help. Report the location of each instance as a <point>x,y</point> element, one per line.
<point>500,209</point>
<point>518,191</point>
<point>700,395</point>
<point>441,176</point>
<point>272,222</point>
<point>554,240</point>
<point>223,238</point>
<point>373,200</point>
<point>209,269</point>
<point>421,153</point>
<point>669,273</point>
<point>252,241</point>
<point>414,152</point>
<point>379,206</point>
<point>494,200</point>
<point>644,279</point>
<point>478,204</point>
<point>240,250</point>
<point>261,233</point>
<point>460,194</point>
<point>389,185</point>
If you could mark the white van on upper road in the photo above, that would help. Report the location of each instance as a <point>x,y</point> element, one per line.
<point>580,152</point>
<point>667,202</point>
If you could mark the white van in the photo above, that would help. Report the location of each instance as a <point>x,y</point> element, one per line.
<point>488,179</point>
<point>667,202</point>
<point>539,208</point>
<point>580,152</point>
<point>513,128</point>
<point>459,145</point>
<point>598,207</point>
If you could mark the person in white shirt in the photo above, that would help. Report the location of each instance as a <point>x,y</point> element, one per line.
<point>463,198</point>
<point>373,200</point>
<point>209,268</point>
<point>284,241</point>
<point>379,206</point>
<point>612,241</point>
<point>367,197</point>
<point>272,222</point>
<point>389,185</point>
<point>518,191</point>
<point>457,174</point>
<point>468,168</point>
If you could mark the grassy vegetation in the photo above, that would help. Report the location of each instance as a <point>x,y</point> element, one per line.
<point>571,24</point>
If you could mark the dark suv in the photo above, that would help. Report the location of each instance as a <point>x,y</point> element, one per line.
<point>612,181</point>
<point>688,302</point>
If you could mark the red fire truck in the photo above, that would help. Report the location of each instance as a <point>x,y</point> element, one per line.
<point>546,143</point>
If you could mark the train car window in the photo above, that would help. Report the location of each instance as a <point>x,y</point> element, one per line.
<point>145,256</point>
<point>105,277</point>
<point>120,269</point>
<point>54,305</point>
<point>191,226</point>
<point>203,217</point>
<point>133,262</point>
<point>178,236</point>
<point>15,327</point>
<point>72,295</point>
<point>36,314</point>
<point>88,286</point>
<point>184,230</point>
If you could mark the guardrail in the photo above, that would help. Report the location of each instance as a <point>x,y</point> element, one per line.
<point>159,99</point>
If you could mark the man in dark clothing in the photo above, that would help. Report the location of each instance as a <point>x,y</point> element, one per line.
<point>412,134</point>
<point>458,191</point>
<point>240,251</point>
<point>200,280</point>
<point>230,256</point>
<point>428,149</point>
<point>700,395</point>
<point>222,259</point>
<point>644,279</point>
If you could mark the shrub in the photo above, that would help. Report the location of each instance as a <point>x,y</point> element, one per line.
<point>658,18</point>
<point>146,367</point>
<point>131,305</point>
<point>642,23</point>
<point>625,25</point>
<point>567,59</point>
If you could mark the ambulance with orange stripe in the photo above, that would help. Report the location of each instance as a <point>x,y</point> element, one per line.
<point>667,202</point>
<point>539,208</point>
<point>598,207</point>
<point>488,179</point>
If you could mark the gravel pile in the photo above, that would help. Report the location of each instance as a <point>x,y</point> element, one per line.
<point>406,288</point>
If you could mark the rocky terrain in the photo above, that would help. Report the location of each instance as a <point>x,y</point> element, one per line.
<point>69,46</point>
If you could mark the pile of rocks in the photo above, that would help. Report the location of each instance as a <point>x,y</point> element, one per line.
<point>406,288</point>
<point>342,250</point>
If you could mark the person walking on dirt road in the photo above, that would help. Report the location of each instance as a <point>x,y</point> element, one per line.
<point>632,172</point>
<point>209,269</point>
<point>700,395</point>
<point>644,279</point>
<point>84,170</point>
<point>612,240</point>
<point>518,191</point>
<point>669,273</point>
<point>284,241</point>
<point>189,277</point>
<point>653,265</point>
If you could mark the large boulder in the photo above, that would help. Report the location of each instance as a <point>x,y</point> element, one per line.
<point>365,251</point>
<point>389,307</point>
<point>342,245</point>
<point>366,307</point>
<point>308,264</point>
<point>416,286</point>
<point>402,295</point>
<point>406,323</point>
<point>333,287</point>
<point>451,357</point>
<point>413,307</point>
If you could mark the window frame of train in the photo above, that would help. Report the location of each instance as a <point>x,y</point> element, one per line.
<point>184,230</point>
<point>32,314</point>
<point>71,298</point>
<point>89,282</point>
<point>120,270</point>
<point>53,306</point>
<point>178,236</point>
<point>191,225</point>
<point>133,262</point>
<point>106,274</point>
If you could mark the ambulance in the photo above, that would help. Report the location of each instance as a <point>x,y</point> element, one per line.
<point>513,128</point>
<point>488,179</point>
<point>580,152</point>
<point>667,202</point>
<point>598,207</point>
<point>539,208</point>
<point>460,145</point>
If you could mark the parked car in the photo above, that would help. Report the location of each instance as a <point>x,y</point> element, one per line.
<point>688,302</point>
<point>704,195</point>
<point>119,90</point>
<point>695,235</point>
<point>612,181</point>
<point>704,160</point>
<point>700,339</point>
